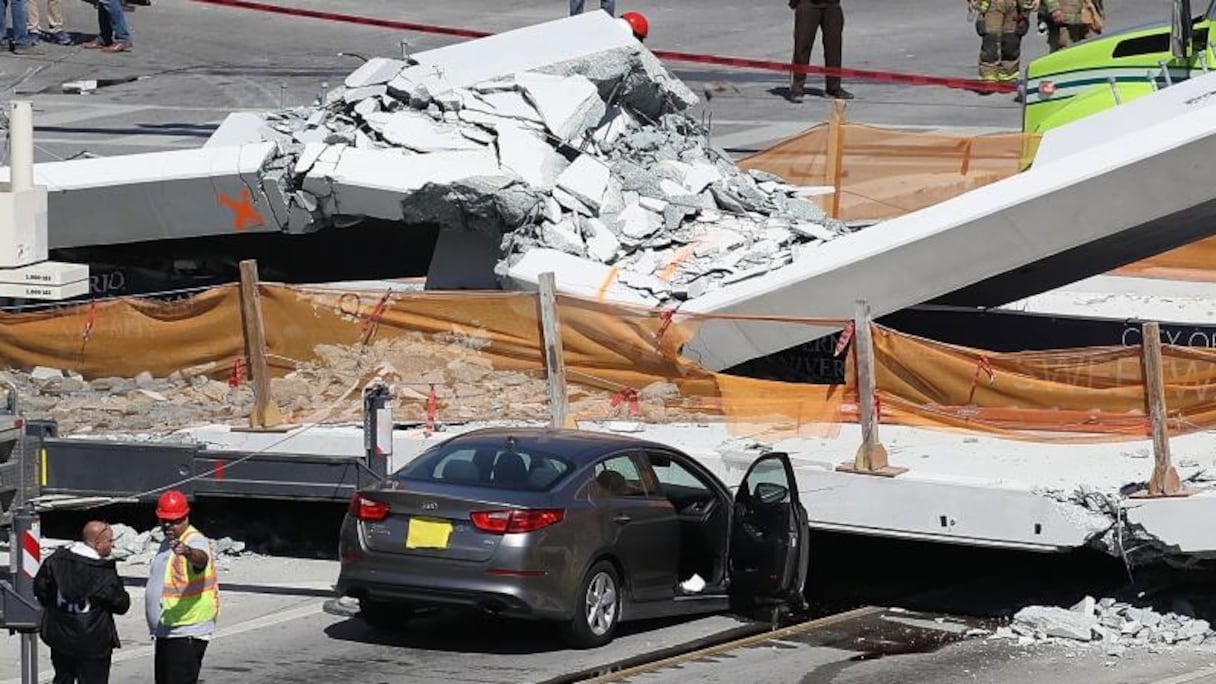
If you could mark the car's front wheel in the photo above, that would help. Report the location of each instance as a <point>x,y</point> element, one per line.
<point>597,608</point>
<point>385,615</point>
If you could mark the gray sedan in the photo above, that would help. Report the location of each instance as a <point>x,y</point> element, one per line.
<point>584,529</point>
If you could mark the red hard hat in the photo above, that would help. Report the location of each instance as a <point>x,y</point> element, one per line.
<point>637,24</point>
<point>172,506</point>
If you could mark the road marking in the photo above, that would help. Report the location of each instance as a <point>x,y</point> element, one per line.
<point>124,655</point>
<point>1188,677</point>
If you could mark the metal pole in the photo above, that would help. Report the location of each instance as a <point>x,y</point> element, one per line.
<point>20,146</point>
<point>378,426</point>
<point>1114,90</point>
<point>25,557</point>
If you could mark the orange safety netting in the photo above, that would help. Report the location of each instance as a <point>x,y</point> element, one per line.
<point>1096,390</point>
<point>620,363</point>
<point>612,349</point>
<point>888,172</point>
<point>1196,262</point>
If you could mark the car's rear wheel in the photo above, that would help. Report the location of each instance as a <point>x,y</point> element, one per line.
<point>597,608</point>
<point>385,615</point>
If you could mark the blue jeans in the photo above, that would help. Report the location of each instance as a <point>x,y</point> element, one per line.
<point>21,32</point>
<point>609,6</point>
<point>111,22</point>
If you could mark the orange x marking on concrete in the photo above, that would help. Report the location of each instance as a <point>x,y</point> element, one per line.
<point>244,214</point>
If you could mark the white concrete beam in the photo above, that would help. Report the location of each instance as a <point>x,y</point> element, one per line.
<point>1127,188</point>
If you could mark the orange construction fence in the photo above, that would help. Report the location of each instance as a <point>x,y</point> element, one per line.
<point>477,356</point>
<point>883,172</point>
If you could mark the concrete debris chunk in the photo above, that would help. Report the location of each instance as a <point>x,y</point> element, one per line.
<point>1056,622</point>
<point>568,106</point>
<point>376,71</point>
<point>421,134</point>
<point>594,155</point>
<point>586,180</point>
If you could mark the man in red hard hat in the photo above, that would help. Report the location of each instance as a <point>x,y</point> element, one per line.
<point>182,600</point>
<point>637,24</point>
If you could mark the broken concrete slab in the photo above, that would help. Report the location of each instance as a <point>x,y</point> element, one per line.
<point>586,179</point>
<point>375,71</point>
<point>568,106</point>
<point>577,276</point>
<point>419,133</point>
<point>531,158</point>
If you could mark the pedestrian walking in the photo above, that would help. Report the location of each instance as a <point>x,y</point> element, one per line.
<point>54,22</point>
<point>609,6</point>
<point>1001,25</point>
<point>22,43</point>
<point>1071,21</point>
<point>112,32</point>
<point>809,17</point>
<point>182,599</point>
<point>81,592</point>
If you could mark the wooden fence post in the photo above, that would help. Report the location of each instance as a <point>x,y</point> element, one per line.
<point>1164,480</point>
<point>835,160</point>
<point>265,412</point>
<point>551,333</point>
<point>871,458</point>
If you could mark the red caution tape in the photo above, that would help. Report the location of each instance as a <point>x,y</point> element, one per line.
<point>628,396</point>
<point>983,365</point>
<point>348,18</point>
<point>238,372</point>
<point>972,84</point>
<point>846,336</point>
<point>432,412</point>
<point>373,319</point>
<point>666,318</point>
<point>716,60</point>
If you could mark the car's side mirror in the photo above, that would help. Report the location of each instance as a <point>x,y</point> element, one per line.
<point>771,493</point>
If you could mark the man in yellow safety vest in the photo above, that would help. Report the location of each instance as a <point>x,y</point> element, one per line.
<point>182,599</point>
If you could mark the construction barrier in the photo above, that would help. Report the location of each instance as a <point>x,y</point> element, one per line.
<point>880,173</point>
<point>464,356</point>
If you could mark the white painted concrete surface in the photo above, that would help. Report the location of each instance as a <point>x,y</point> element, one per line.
<point>959,488</point>
<point>1046,210</point>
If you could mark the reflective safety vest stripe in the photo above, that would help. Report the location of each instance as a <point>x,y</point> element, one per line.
<point>189,597</point>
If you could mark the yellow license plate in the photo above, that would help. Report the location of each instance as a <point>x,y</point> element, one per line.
<point>427,534</point>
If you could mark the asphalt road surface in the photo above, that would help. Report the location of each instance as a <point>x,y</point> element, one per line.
<point>194,63</point>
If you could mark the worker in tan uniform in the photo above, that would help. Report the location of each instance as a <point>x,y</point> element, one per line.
<point>1071,21</point>
<point>1001,24</point>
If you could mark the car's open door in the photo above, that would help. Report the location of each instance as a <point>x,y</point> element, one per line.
<point>769,532</point>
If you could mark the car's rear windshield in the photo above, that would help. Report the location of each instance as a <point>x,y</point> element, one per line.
<point>481,465</point>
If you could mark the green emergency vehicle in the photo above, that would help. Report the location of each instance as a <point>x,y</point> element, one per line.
<point>1108,70</point>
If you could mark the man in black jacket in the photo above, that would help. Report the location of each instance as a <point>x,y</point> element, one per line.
<point>81,592</point>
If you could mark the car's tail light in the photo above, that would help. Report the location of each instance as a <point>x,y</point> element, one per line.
<point>516,520</point>
<point>363,508</point>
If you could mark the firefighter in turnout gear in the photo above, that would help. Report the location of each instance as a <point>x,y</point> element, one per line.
<point>1001,25</point>
<point>1070,21</point>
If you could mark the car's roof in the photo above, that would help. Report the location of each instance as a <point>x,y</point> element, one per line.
<point>579,446</point>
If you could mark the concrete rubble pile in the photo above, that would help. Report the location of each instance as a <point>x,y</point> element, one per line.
<point>466,386</point>
<point>138,548</point>
<point>1115,625</point>
<point>595,157</point>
